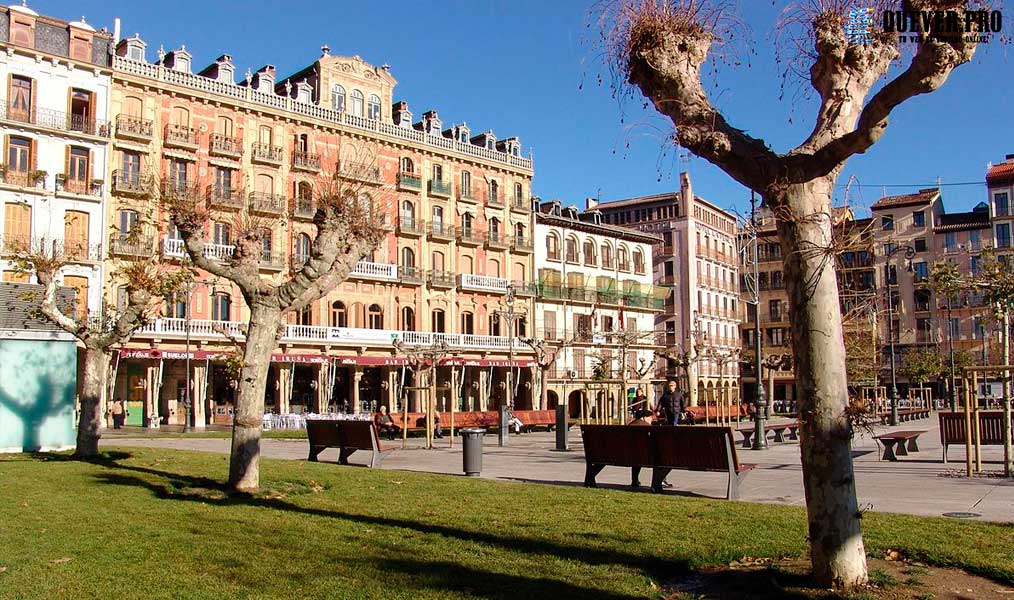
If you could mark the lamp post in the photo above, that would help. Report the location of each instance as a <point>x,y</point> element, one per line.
<point>509,316</point>
<point>892,390</point>
<point>187,412</point>
<point>760,438</point>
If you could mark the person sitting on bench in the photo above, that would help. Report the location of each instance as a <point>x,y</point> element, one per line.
<point>514,422</point>
<point>384,422</point>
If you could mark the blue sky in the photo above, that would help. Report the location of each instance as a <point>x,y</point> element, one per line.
<point>530,68</point>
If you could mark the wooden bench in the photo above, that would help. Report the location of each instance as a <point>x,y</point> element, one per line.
<point>664,449</point>
<point>540,418</point>
<point>347,436</point>
<point>712,412</point>
<point>952,428</point>
<point>908,414</point>
<point>777,428</point>
<point>905,440</point>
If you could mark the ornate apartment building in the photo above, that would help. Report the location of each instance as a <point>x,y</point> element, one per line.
<point>56,137</point>
<point>697,260</point>
<point>597,303</point>
<point>458,205</point>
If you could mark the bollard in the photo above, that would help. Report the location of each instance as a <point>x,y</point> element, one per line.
<point>471,455</point>
<point>504,433</point>
<point>561,428</point>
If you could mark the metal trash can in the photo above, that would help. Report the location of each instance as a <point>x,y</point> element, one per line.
<point>471,438</point>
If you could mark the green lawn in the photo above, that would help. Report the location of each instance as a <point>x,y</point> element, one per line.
<point>154,524</point>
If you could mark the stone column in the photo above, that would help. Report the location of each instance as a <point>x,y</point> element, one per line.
<point>483,388</point>
<point>284,387</point>
<point>199,395</point>
<point>320,396</point>
<point>389,395</point>
<point>152,393</point>
<point>356,378</point>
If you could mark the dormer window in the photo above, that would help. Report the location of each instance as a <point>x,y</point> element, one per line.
<point>132,48</point>
<point>135,53</point>
<point>178,60</point>
<point>490,143</point>
<point>374,108</point>
<point>463,136</point>
<point>304,92</point>
<point>338,98</point>
<point>226,73</point>
<point>515,150</point>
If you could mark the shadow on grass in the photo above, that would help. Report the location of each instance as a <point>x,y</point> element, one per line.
<point>210,491</point>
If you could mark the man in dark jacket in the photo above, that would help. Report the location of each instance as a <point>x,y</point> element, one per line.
<point>671,405</point>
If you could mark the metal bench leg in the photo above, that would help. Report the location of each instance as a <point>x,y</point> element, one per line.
<point>793,433</point>
<point>901,451</point>
<point>747,437</point>
<point>912,445</point>
<point>779,434</point>
<point>945,454</point>
<point>314,451</point>
<point>344,454</point>
<point>590,472</point>
<point>889,449</point>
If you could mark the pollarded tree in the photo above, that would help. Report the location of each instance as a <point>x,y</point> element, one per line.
<point>349,224</point>
<point>922,365</point>
<point>659,47</point>
<point>146,283</point>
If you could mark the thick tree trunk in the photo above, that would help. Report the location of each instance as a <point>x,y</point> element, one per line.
<point>261,340</point>
<point>90,419</point>
<point>805,230</point>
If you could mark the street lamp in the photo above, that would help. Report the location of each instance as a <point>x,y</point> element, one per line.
<point>892,391</point>
<point>952,393</point>
<point>187,428</point>
<point>760,437</point>
<point>509,316</point>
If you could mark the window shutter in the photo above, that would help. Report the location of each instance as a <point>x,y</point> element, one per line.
<point>31,109</point>
<point>66,162</point>
<point>33,158</point>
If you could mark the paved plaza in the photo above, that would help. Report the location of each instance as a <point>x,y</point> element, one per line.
<point>918,484</point>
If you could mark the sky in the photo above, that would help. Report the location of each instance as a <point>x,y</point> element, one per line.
<point>533,69</point>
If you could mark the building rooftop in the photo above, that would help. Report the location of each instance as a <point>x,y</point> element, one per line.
<point>581,223</point>
<point>977,218</point>
<point>19,303</point>
<point>1001,173</point>
<point>924,196</point>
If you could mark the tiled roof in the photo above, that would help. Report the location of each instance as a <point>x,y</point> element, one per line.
<point>1000,173</point>
<point>623,233</point>
<point>920,197</point>
<point>664,197</point>
<point>19,303</point>
<point>976,219</point>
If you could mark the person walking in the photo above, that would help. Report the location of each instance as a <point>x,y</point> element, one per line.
<point>119,413</point>
<point>671,405</point>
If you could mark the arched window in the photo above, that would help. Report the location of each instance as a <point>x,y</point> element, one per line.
<point>494,190</point>
<point>225,126</point>
<point>438,218</point>
<point>622,260</point>
<point>408,319</point>
<point>221,306</point>
<point>437,261</point>
<point>376,317</point>
<point>552,247</point>
<point>180,116</point>
<point>407,212</point>
<point>606,254</point>
<point>466,223</point>
<point>438,323</point>
<point>571,249</point>
<point>407,257</point>
<point>466,184</point>
<point>133,106</point>
<point>357,103</point>
<point>589,252</point>
<point>520,272</point>
<point>467,323</point>
<point>494,268</point>
<point>366,203</point>
<point>519,234</point>
<point>304,191</point>
<point>518,192</point>
<point>467,264</point>
<point>338,98</point>
<point>220,233</point>
<point>265,184</point>
<point>374,107</point>
<point>494,228</point>
<point>339,316</point>
<point>305,316</point>
<point>407,166</point>
<point>301,249</point>
<point>638,261</point>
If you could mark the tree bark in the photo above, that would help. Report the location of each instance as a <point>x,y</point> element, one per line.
<point>261,340</point>
<point>805,232</point>
<point>90,419</point>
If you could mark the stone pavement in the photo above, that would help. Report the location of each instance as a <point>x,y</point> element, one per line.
<point>917,484</point>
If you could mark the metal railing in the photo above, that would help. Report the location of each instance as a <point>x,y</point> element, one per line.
<point>303,208</point>
<point>225,197</point>
<point>409,181</point>
<point>55,119</point>
<point>134,127</point>
<point>132,183</point>
<point>409,224</point>
<point>225,145</point>
<point>180,135</point>
<point>439,187</point>
<point>442,230</point>
<point>266,153</point>
<point>267,203</point>
<point>307,161</point>
<point>78,186</point>
<point>360,171</point>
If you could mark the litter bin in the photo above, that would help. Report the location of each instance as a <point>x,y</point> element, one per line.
<point>472,454</point>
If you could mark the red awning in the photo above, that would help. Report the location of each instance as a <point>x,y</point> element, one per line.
<point>368,361</point>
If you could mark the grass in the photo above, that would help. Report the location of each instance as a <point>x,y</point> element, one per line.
<point>156,524</point>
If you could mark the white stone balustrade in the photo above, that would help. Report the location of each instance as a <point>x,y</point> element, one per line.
<point>372,270</point>
<point>483,283</point>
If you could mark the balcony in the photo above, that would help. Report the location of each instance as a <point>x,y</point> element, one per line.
<point>267,203</point>
<point>439,187</point>
<point>180,189</point>
<point>175,248</point>
<point>483,283</point>
<point>77,250</point>
<point>134,128</point>
<point>582,294</point>
<point>181,136</point>
<point>411,275</point>
<point>225,197</point>
<point>409,225</point>
<point>468,236</point>
<point>442,279</point>
<point>374,271</point>
<point>306,161</point>
<point>520,205</point>
<point>131,246</point>
<point>497,240</point>
<point>522,245</point>
<point>78,186</point>
<point>525,289</point>
<point>55,120</point>
<point>132,184</point>
<point>366,173</point>
<point>32,180</point>
<point>222,145</point>
<point>409,182</point>
<point>272,262</point>
<point>266,154</point>
<point>441,231</point>
<point>303,208</point>
<point>466,195</point>
<point>495,200</point>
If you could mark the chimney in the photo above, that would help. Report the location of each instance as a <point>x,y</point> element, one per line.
<point>686,191</point>
<point>590,203</point>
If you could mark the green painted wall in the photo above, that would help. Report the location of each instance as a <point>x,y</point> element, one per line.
<point>38,380</point>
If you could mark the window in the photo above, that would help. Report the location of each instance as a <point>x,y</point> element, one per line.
<point>519,233</point>
<point>338,98</point>
<point>950,241</point>
<point>920,245</point>
<point>266,245</point>
<point>130,169</point>
<point>775,310</point>
<point>588,249</point>
<point>221,234</point>
<point>974,265</point>
<point>494,191</point>
<point>301,249</point>
<point>22,30</point>
<point>80,287</point>
<point>922,300</point>
<point>975,240</point>
<point>606,253</point>
<point>375,317</point>
<point>494,229</point>
<point>919,218</point>
<point>77,167</point>
<point>407,257</point>
<point>955,328</point>
<point>437,261</point>
<point>921,270</point>
<point>571,250</point>
<point>889,248</point>
<point>19,156</point>
<point>494,325</point>
<point>623,262</point>
<point>1001,205</point>
<point>467,323</point>
<point>178,174</point>
<point>374,108</point>
<point>438,218</point>
<point>407,166</point>
<point>466,223</point>
<point>75,233</point>
<point>408,318</point>
<point>922,331</point>
<point>304,316</point>
<point>339,315</point>
<point>221,306</point>
<point>21,106</point>
<point>1003,235</point>
<point>176,305</point>
<point>438,325</point>
<point>357,103</point>
<point>638,261</point>
<point>466,184</point>
<point>438,172</point>
<point>17,224</point>
<point>891,274</point>
<point>407,212</point>
<point>887,222</point>
<point>518,192</point>
<point>223,182</point>
<point>552,247</point>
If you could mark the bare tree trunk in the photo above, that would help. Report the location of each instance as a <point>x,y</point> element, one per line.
<point>804,230</point>
<point>261,340</point>
<point>543,387</point>
<point>90,419</point>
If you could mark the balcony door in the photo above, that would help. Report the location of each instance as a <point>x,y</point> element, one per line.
<point>80,287</point>
<point>17,224</point>
<point>21,99</point>
<point>82,111</point>
<point>75,233</point>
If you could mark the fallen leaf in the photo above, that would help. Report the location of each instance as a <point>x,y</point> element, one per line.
<point>397,482</point>
<point>3,569</point>
<point>60,561</point>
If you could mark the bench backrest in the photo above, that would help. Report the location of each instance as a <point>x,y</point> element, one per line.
<point>696,448</point>
<point>991,427</point>
<point>619,445</point>
<point>952,427</point>
<point>536,417</point>
<point>342,434</point>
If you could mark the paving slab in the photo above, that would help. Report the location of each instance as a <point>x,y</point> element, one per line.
<point>919,484</point>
